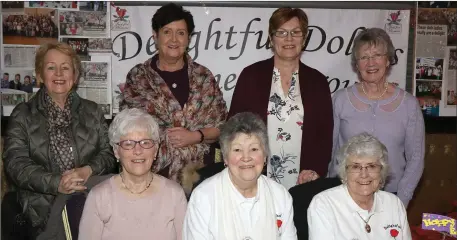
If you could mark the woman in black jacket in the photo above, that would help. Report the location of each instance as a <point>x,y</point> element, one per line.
<point>55,141</point>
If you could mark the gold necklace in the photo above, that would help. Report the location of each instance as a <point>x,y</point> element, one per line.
<point>123,184</point>
<point>380,96</point>
<point>367,226</point>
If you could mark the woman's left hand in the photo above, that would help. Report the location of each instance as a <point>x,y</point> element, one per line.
<point>181,137</point>
<point>307,176</point>
<point>81,173</point>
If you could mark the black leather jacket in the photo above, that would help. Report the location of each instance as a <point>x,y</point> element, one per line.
<point>27,155</point>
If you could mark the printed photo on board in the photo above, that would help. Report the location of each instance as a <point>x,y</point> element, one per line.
<point>430,89</point>
<point>53,4</point>
<point>93,6</point>
<point>18,79</point>
<point>429,68</point>
<point>80,46</point>
<point>82,23</point>
<point>95,71</point>
<point>12,6</point>
<point>35,27</point>
<point>441,16</point>
<point>100,44</point>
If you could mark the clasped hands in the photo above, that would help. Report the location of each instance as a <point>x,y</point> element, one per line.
<point>181,137</point>
<point>307,176</point>
<point>73,180</point>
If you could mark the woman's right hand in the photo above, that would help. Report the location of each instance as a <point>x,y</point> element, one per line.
<point>69,184</point>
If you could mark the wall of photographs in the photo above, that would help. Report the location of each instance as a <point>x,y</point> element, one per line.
<point>436,59</point>
<point>83,25</point>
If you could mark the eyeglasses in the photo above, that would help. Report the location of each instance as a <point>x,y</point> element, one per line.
<point>357,168</point>
<point>375,57</point>
<point>130,144</point>
<point>284,33</point>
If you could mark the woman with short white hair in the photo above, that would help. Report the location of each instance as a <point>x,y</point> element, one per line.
<point>240,203</point>
<point>135,204</point>
<point>358,209</point>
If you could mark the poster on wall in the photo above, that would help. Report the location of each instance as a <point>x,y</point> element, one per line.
<point>227,39</point>
<point>435,75</point>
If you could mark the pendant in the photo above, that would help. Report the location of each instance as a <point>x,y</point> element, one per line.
<point>174,85</point>
<point>367,228</point>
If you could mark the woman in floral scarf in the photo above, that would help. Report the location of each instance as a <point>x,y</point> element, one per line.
<point>180,93</point>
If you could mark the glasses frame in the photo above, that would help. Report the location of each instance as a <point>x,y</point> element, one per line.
<point>154,143</point>
<point>363,167</point>
<point>291,33</point>
<point>375,57</point>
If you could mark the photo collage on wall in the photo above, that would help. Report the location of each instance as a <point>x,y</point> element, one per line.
<point>84,25</point>
<point>435,63</point>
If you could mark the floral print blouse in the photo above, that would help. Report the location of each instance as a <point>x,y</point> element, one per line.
<point>285,120</point>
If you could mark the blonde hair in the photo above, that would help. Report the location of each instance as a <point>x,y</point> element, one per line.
<point>63,48</point>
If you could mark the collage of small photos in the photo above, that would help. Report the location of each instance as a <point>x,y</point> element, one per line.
<point>84,25</point>
<point>436,61</point>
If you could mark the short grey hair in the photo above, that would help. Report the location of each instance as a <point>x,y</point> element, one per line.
<point>373,37</point>
<point>247,123</point>
<point>130,120</point>
<point>363,145</point>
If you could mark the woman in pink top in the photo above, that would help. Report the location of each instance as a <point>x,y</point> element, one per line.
<point>135,204</point>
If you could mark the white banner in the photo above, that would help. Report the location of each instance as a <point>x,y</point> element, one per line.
<point>227,39</point>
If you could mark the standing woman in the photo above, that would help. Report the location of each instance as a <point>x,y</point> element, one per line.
<point>293,99</point>
<point>57,140</point>
<point>180,93</point>
<point>383,110</point>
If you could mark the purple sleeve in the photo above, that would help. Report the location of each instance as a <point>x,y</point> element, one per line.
<point>414,152</point>
<point>333,166</point>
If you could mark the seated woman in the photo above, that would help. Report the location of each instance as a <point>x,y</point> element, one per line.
<point>57,140</point>
<point>180,93</point>
<point>358,209</point>
<point>135,204</point>
<point>240,202</point>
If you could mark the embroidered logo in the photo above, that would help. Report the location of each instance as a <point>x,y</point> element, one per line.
<point>394,230</point>
<point>394,233</point>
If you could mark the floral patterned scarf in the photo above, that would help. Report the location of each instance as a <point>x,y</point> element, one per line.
<point>59,133</point>
<point>205,108</point>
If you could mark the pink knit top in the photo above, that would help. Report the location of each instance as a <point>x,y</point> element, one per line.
<point>111,214</point>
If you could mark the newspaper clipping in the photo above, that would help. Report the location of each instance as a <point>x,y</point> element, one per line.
<point>100,45</point>
<point>435,31</point>
<point>19,56</point>
<point>83,23</point>
<point>451,90</point>
<point>66,5</point>
<point>93,84</point>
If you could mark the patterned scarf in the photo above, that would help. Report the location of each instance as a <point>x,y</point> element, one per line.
<point>59,133</point>
<point>205,108</point>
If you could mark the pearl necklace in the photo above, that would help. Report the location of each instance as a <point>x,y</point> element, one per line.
<point>123,184</point>
<point>380,96</point>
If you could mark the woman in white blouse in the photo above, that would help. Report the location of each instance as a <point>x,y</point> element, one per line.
<point>240,203</point>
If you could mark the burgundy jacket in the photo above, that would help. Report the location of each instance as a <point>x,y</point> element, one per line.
<point>252,95</point>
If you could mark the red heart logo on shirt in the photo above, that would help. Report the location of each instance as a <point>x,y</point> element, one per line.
<point>279,223</point>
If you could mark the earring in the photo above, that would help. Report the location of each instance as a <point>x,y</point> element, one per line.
<point>117,159</point>
<point>225,164</point>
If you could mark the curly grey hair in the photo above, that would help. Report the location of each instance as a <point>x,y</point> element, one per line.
<point>247,123</point>
<point>362,145</point>
<point>130,120</point>
<point>373,37</point>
